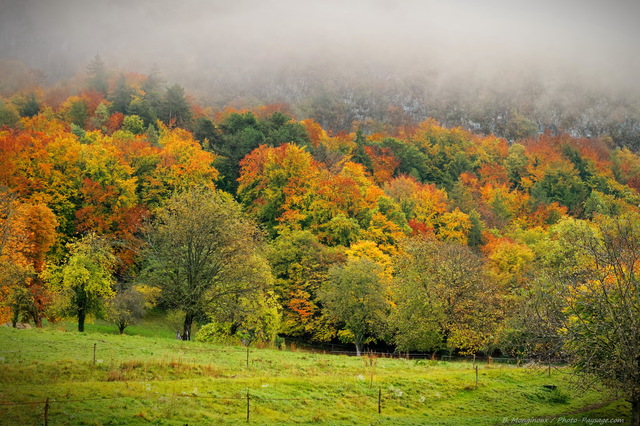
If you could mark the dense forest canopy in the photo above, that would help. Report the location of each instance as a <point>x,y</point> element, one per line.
<point>114,155</point>
<point>434,205</point>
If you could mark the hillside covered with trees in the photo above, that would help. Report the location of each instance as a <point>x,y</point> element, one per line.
<point>119,193</point>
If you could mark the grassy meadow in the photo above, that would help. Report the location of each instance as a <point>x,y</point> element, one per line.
<point>148,377</point>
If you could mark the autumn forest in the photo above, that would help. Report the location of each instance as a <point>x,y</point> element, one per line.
<point>121,194</point>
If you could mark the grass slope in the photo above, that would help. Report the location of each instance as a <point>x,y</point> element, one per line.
<point>147,380</point>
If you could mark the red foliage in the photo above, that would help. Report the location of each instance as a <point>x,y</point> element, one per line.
<point>92,99</point>
<point>383,162</point>
<point>420,228</point>
<point>114,123</point>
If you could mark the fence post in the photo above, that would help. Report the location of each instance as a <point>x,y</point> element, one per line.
<point>248,410</point>
<point>94,353</point>
<point>549,368</point>
<point>379,400</point>
<point>46,412</point>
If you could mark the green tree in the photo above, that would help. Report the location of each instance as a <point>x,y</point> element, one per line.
<point>279,128</point>
<point>206,132</point>
<point>175,110</point>
<point>100,117</point>
<point>30,107</point>
<point>152,135</point>
<point>143,109</point>
<point>203,250</point>
<point>300,264</point>
<point>413,162</point>
<point>133,124</point>
<point>240,136</point>
<point>444,298</point>
<point>516,164</point>
<point>359,155</point>
<point>355,295</point>
<point>152,90</point>
<point>85,281</point>
<point>562,184</point>
<point>122,96</point>
<point>78,113</point>
<point>125,309</point>
<point>251,316</point>
<point>594,283</point>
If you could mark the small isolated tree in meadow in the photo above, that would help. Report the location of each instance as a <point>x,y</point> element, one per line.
<point>203,251</point>
<point>355,295</point>
<point>125,309</point>
<point>85,281</point>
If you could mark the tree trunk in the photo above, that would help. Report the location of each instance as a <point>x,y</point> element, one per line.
<point>233,329</point>
<point>121,327</point>
<point>14,318</point>
<point>81,304</point>
<point>37,321</point>
<point>635,409</point>
<point>35,314</point>
<point>39,301</point>
<point>186,331</point>
<point>81,317</point>
<point>358,348</point>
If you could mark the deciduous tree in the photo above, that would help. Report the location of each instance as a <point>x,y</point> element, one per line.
<point>356,295</point>
<point>594,283</point>
<point>125,309</point>
<point>201,250</point>
<point>444,298</point>
<point>85,281</point>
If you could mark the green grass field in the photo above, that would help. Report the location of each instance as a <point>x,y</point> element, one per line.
<point>141,379</point>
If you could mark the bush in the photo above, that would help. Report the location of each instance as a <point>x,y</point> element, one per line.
<point>214,333</point>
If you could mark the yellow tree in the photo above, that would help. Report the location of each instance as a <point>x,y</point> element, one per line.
<point>85,281</point>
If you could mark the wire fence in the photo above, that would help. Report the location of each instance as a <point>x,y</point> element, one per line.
<point>339,349</point>
<point>332,349</point>
<point>377,400</point>
<point>397,355</point>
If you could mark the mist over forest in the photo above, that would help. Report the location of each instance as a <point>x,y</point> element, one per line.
<point>560,66</point>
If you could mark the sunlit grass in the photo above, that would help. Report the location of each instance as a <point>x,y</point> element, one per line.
<point>137,380</point>
<point>153,325</point>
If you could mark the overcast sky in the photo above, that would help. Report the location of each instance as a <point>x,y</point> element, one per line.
<point>598,38</point>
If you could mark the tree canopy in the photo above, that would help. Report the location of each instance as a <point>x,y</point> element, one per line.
<point>202,248</point>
